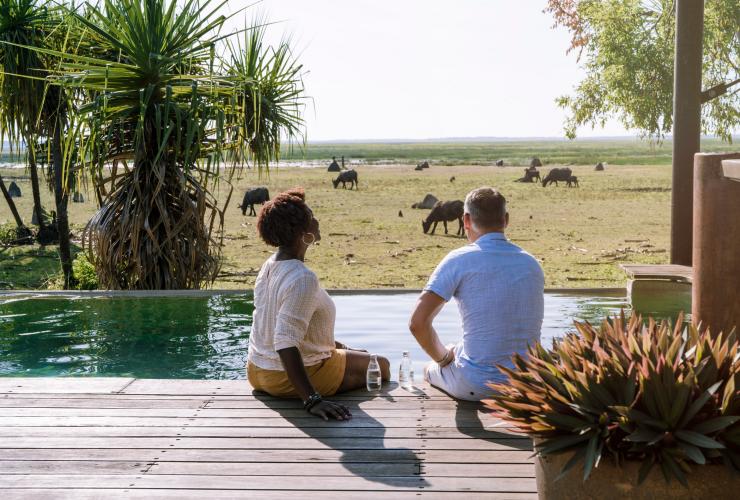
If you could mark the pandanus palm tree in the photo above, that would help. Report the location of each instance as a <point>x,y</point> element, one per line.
<point>270,91</point>
<point>23,109</point>
<point>149,93</point>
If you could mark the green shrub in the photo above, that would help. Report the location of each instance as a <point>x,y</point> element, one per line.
<point>8,233</point>
<point>11,235</point>
<point>84,273</point>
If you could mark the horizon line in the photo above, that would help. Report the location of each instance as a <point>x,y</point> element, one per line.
<point>667,137</point>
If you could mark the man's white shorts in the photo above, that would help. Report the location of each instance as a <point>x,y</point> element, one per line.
<point>451,380</point>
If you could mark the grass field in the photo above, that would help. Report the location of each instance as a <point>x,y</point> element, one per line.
<point>627,151</point>
<point>580,235</point>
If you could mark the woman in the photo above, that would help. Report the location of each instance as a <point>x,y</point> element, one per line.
<point>292,352</point>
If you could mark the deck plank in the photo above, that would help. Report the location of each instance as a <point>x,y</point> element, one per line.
<point>288,456</point>
<point>264,413</point>
<point>63,385</point>
<point>261,432</point>
<point>261,468</point>
<point>229,404</point>
<point>242,387</point>
<point>102,438</point>
<point>304,422</point>
<point>145,493</point>
<point>296,443</point>
<point>296,483</point>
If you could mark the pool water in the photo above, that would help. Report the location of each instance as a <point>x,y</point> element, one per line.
<point>206,337</point>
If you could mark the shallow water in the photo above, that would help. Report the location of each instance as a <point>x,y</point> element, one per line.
<point>206,337</point>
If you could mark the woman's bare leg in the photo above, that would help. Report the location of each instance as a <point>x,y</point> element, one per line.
<point>356,370</point>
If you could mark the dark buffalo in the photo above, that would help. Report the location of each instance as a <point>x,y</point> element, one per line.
<point>254,196</point>
<point>345,177</point>
<point>557,174</point>
<point>424,164</point>
<point>530,175</point>
<point>444,211</point>
<point>599,167</point>
<point>428,202</point>
<point>572,181</point>
<point>535,162</point>
<point>500,163</point>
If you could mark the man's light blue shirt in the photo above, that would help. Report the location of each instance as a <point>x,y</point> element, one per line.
<point>499,289</point>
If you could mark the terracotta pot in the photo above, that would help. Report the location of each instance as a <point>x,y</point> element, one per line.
<point>608,481</point>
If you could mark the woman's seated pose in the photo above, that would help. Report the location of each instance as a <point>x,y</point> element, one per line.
<point>292,352</point>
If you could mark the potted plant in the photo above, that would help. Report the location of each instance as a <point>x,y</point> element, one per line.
<point>629,410</point>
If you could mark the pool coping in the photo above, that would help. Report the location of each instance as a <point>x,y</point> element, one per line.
<point>617,292</point>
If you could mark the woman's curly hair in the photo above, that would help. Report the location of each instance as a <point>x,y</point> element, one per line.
<point>285,218</point>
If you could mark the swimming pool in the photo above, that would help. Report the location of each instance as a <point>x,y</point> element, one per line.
<point>205,336</point>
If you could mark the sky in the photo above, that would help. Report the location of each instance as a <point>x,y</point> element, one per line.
<point>424,69</point>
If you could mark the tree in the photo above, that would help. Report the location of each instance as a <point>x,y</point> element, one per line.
<point>154,114</point>
<point>627,49</point>
<point>24,24</point>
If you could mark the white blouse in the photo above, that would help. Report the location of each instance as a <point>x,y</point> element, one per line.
<point>290,310</point>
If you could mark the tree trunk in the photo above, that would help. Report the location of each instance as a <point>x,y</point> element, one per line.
<point>61,197</point>
<point>686,125</point>
<point>11,203</point>
<point>35,188</point>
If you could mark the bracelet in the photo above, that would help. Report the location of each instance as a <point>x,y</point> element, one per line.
<point>444,358</point>
<point>312,401</point>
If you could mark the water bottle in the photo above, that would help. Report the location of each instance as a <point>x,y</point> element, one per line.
<point>373,378</point>
<point>406,372</point>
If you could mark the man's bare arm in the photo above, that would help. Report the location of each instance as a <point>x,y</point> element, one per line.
<point>427,308</point>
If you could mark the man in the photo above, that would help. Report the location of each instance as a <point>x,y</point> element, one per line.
<point>499,289</point>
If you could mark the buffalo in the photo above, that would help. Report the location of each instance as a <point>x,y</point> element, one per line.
<point>444,211</point>
<point>345,177</point>
<point>428,202</point>
<point>535,162</point>
<point>500,163</point>
<point>557,174</point>
<point>599,167</point>
<point>572,181</point>
<point>254,196</point>
<point>530,174</point>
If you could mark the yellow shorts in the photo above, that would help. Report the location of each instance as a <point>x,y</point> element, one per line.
<point>326,377</point>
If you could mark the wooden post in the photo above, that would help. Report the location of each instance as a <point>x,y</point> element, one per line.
<point>686,123</point>
<point>716,287</point>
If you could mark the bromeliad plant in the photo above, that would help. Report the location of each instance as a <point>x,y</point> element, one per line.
<point>653,393</point>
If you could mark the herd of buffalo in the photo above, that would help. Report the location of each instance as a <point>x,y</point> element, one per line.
<point>440,211</point>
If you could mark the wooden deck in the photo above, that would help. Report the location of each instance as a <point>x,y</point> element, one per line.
<point>134,438</point>
<point>668,272</point>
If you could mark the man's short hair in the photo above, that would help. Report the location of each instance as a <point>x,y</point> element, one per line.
<point>487,208</point>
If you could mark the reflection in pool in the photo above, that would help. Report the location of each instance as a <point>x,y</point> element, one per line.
<point>205,337</point>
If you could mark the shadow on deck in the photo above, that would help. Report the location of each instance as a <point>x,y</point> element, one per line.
<point>93,437</point>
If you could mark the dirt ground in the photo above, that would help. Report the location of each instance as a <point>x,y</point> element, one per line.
<point>372,238</point>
